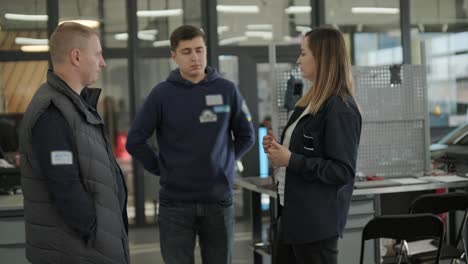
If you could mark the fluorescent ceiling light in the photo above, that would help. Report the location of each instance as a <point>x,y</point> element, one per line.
<point>162,43</point>
<point>149,34</point>
<point>31,41</point>
<point>24,17</point>
<point>35,48</point>
<point>292,39</point>
<point>85,22</point>
<point>121,36</point>
<point>148,31</point>
<point>232,40</point>
<point>298,10</point>
<point>160,13</point>
<point>260,27</point>
<point>222,29</point>
<point>303,29</point>
<point>259,34</point>
<point>375,10</point>
<point>239,9</point>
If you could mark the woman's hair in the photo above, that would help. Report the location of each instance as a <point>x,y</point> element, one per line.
<point>332,69</point>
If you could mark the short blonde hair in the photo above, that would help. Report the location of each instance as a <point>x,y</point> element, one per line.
<point>66,37</point>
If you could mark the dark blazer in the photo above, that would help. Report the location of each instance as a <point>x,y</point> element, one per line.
<point>320,175</point>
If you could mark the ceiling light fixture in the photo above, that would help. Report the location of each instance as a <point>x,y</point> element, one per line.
<point>24,17</point>
<point>260,27</point>
<point>162,43</point>
<point>30,41</point>
<point>149,34</point>
<point>292,39</point>
<point>222,29</point>
<point>232,40</point>
<point>298,10</point>
<point>259,34</point>
<point>160,13</point>
<point>91,23</point>
<point>303,29</point>
<point>35,48</point>
<point>238,9</point>
<point>375,10</point>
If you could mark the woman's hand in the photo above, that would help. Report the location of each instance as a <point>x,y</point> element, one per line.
<point>278,155</point>
<point>267,139</point>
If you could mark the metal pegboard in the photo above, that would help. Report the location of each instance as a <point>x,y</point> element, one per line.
<point>393,101</point>
<point>384,97</point>
<point>391,148</point>
<point>281,80</point>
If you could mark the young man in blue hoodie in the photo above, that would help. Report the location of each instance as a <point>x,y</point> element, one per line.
<point>202,126</point>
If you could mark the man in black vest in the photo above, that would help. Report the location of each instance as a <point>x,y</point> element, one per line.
<point>75,195</point>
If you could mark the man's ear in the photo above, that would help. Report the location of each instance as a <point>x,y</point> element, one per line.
<point>75,57</point>
<point>173,54</point>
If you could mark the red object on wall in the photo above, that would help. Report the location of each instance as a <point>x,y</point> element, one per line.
<point>120,152</point>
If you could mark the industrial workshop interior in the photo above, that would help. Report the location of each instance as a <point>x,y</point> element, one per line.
<point>409,69</point>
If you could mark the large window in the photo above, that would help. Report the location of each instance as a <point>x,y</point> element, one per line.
<point>23,25</point>
<point>372,27</point>
<point>440,39</point>
<point>107,16</point>
<point>244,22</point>
<point>157,19</point>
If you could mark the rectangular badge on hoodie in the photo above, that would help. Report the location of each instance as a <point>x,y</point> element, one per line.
<point>214,99</point>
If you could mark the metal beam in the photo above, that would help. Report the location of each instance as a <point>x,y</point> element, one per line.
<point>52,21</point>
<point>102,27</point>
<point>318,13</point>
<point>210,25</point>
<point>405,26</point>
<point>248,89</point>
<point>134,95</point>
<point>18,55</point>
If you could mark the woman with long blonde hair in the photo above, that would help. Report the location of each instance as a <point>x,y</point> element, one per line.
<point>316,159</point>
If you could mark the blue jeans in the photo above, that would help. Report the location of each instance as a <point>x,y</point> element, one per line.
<point>180,223</point>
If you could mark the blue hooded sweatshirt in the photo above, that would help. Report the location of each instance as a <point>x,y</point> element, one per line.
<point>201,130</point>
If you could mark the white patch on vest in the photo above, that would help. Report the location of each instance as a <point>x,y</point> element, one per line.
<point>214,99</point>
<point>208,116</point>
<point>61,157</point>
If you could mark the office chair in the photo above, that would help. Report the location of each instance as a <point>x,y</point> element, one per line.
<point>438,204</point>
<point>404,227</point>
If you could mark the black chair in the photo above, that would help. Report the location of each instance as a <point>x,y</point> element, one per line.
<point>438,204</point>
<point>404,227</point>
